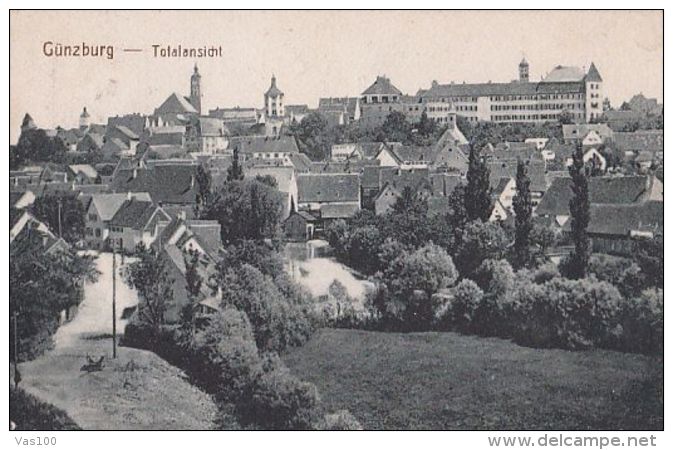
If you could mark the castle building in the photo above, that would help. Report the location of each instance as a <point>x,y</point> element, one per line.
<point>565,89</point>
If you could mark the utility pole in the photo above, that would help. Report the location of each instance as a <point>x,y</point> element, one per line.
<point>17,375</point>
<point>114,301</point>
<point>59,219</point>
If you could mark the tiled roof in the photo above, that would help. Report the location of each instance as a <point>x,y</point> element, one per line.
<point>166,184</point>
<point>264,144</point>
<point>507,169</point>
<point>136,214</point>
<point>495,89</point>
<point>579,131</point>
<point>563,74</point>
<point>284,176</point>
<point>107,205</point>
<point>408,153</point>
<point>127,132</point>
<point>417,179</point>
<point>301,162</point>
<point>211,127</point>
<point>620,220</point>
<point>328,188</point>
<point>338,211</point>
<point>175,104</point>
<point>652,140</point>
<point>382,86</point>
<point>611,190</point>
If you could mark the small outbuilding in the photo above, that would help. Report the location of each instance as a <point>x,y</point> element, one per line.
<point>300,226</point>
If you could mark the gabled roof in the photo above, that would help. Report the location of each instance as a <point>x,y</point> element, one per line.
<point>333,211</point>
<point>174,183</point>
<point>608,190</point>
<point>407,153</point>
<point>382,86</point>
<point>209,126</point>
<point>137,214</point>
<point>579,131</point>
<point>301,162</point>
<point>107,205</point>
<point>417,179</point>
<point>507,169</point>
<point>621,220</point>
<point>127,132</point>
<point>85,169</point>
<point>175,104</point>
<point>338,187</point>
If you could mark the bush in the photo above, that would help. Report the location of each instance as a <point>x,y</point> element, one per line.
<point>568,314</point>
<point>480,241</point>
<point>642,319</point>
<point>30,414</point>
<point>277,321</point>
<point>494,315</point>
<point>341,420</point>
<point>280,401</point>
<point>460,312</point>
<point>623,273</point>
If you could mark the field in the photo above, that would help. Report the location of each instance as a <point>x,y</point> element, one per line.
<point>449,381</point>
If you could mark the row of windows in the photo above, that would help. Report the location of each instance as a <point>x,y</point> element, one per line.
<point>510,98</point>
<point>529,117</point>
<point>537,107</point>
<point>89,232</point>
<point>380,99</point>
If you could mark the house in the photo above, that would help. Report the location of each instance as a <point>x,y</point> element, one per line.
<point>177,242</point>
<point>393,182</point>
<point>572,133</point>
<point>91,142</point>
<point>508,168</point>
<point>82,174</point>
<point>135,222</point>
<point>342,152</point>
<point>21,199</point>
<point>170,184</point>
<point>347,108</point>
<point>236,117</point>
<point>296,113</point>
<point>408,157</point>
<point>134,122</point>
<point>100,209</point>
<point>120,141</point>
<point>615,190</point>
<point>264,147</point>
<point>502,195</point>
<point>206,135</point>
<point>637,141</point>
<point>299,226</point>
<point>287,184</point>
<point>22,219</point>
<point>539,143</point>
<point>616,228</point>
<point>329,196</point>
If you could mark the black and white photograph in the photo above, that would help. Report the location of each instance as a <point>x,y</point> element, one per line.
<point>377,220</point>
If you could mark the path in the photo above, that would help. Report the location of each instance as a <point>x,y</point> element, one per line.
<point>138,390</point>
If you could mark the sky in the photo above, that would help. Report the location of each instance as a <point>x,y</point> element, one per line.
<point>313,54</point>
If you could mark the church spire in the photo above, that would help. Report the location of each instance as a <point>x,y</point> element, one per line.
<point>195,91</point>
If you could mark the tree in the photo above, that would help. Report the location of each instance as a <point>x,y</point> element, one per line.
<point>395,128</point>
<point>478,191</point>
<point>193,281</point>
<point>246,209</point>
<point>235,171</point>
<point>64,214</point>
<point>41,286</point>
<point>480,241</point>
<point>204,181</point>
<point>407,221</point>
<point>523,210</point>
<point>578,261</point>
<point>36,146</point>
<point>315,136</point>
<point>149,276</point>
<point>412,279</point>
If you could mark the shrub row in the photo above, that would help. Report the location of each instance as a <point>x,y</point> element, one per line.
<point>29,413</point>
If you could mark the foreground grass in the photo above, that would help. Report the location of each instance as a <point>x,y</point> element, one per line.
<point>449,381</point>
<point>29,413</point>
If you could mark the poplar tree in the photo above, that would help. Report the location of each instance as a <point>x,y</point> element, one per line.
<point>523,210</point>
<point>578,261</point>
<point>478,190</point>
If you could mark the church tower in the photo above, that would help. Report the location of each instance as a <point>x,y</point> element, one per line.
<point>274,109</point>
<point>84,119</point>
<point>523,71</point>
<point>195,92</point>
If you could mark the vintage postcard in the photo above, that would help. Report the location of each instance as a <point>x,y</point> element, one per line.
<point>338,220</point>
